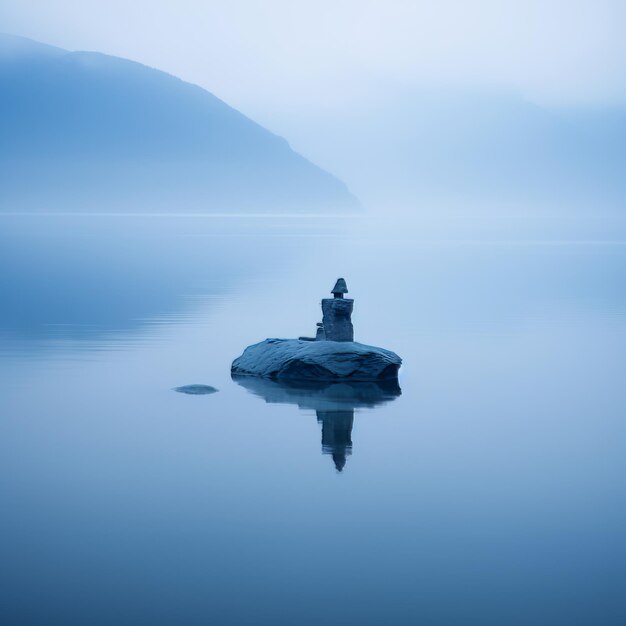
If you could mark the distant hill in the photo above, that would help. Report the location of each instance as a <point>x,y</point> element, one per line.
<point>431,147</point>
<point>86,131</point>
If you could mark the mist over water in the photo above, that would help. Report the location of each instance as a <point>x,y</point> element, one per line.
<point>489,491</point>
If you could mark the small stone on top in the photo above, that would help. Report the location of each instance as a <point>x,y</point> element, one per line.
<point>340,288</point>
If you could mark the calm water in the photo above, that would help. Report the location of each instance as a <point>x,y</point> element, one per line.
<point>490,491</point>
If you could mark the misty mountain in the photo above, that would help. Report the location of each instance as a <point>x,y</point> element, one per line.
<point>456,147</point>
<point>87,131</point>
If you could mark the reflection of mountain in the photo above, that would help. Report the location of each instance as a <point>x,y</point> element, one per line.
<point>333,403</point>
<point>82,277</point>
<point>93,132</point>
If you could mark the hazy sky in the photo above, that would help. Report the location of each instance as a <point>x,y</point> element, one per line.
<point>273,55</point>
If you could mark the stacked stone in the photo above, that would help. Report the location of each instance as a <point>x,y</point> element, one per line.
<point>337,314</point>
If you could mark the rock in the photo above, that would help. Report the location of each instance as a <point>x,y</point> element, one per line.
<point>340,288</point>
<point>196,390</point>
<point>293,359</point>
<point>332,355</point>
<point>337,319</point>
<point>320,333</point>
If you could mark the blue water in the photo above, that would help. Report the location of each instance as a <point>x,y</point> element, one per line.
<point>490,491</point>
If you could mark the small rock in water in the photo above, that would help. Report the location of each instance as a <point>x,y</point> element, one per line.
<point>196,390</point>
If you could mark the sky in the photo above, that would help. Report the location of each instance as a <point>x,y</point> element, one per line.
<point>272,57</point>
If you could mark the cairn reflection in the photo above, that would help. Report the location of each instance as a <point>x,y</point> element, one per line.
<point>336,435</point>
<point>333,402</point>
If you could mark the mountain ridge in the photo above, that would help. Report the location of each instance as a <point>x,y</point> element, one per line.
<point>470,148</point>
<point>149,133</point>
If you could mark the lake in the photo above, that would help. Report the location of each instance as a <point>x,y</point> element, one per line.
<point>489,491</point>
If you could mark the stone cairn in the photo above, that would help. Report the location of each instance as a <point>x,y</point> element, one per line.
<point>336,322</point>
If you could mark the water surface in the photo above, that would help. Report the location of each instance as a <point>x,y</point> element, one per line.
<point>489,491</point>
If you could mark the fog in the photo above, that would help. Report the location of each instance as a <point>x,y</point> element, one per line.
<point>415,106</point>
<point>279,54</point>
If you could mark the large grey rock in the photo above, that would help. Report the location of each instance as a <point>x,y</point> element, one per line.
<point>293,359</point>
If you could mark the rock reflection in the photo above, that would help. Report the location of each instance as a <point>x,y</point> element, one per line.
<point>333,402</point>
